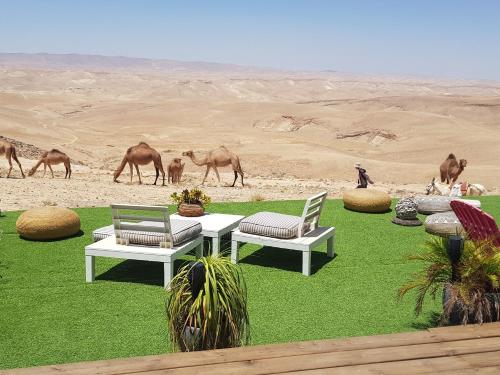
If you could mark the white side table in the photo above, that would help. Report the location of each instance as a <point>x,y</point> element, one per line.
<point>214,226</point>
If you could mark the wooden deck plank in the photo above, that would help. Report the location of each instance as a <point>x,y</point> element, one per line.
<point>460,364</point>
<point>338,359</point>
<point>352,351</point>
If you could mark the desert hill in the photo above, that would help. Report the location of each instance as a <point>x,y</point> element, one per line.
<point>287,125</point>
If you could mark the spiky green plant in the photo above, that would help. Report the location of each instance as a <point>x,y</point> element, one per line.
<point>433,276</point>
<point>193,196</point>
<point>217,317</point>
<point>478,277</point>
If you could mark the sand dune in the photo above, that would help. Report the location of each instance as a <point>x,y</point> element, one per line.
<point>285,126</point>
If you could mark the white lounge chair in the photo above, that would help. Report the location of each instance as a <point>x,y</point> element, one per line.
<point>287,232</point>
<point>163,243</point>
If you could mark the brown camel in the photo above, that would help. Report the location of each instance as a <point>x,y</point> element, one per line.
<point>220,157</point>
<point>53,157</point>
<point>9,150</point>
<point>175,169</point>
<point>450,169</point>
<point>141,154</point>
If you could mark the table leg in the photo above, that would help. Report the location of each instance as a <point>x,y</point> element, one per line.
<point>215,245</point>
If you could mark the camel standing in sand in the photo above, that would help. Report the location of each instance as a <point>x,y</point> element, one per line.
<point>53,157</point>
<point>450,169</point>
<point>220,157</point>
<point>9,150</point>
<point>175,169</point>
<point>141,154</point>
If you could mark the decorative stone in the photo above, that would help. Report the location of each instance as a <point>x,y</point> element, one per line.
<point>406,208</point>
<point>407,222</point>
<point>443,224</point>
<point>431,204</point>
<point>48,223</point>
<point>367,200</point>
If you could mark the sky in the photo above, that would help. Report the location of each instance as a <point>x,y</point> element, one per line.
<point>429,38</point>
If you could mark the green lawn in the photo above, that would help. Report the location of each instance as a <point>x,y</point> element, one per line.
<point>48,314</point>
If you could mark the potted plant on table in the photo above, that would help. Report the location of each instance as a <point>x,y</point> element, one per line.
<point>207,306</point>
<point>191,202</point>
<point>474,297</point>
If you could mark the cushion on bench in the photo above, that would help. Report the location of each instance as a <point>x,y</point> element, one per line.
<point>102,233</point>
<point>271,224</point>
<point>182,231</point>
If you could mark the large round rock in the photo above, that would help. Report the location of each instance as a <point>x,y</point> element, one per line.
<point>48,223</point>
<point>443,224</point>
<point>367,200</point>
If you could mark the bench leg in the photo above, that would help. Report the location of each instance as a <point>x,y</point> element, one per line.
<point>234,252</point>
<point>329,247</point>
<point>89,268</point>
<point>215,245</point>
<point>168,273</point>
<point>306,262</point>
<point>199,250</point>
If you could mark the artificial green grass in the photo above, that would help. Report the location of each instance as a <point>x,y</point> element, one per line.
<point>48,314</point>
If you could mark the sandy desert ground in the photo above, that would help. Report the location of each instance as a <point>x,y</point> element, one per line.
<point>296,133</point>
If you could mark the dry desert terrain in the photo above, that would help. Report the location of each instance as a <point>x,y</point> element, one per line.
<point>296,133</point>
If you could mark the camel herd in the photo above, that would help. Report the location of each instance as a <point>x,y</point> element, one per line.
<point>143,154</point>
<point>140,154</point>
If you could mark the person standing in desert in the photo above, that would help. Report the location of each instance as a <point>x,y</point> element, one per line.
<point>363,178</point>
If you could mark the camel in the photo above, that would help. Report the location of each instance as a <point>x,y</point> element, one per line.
<point>220,157</point>
<point>450,169</point>
<point>141,154</point>
<point>9,150</point>
<point>175,169</point>
<point>52,157</point>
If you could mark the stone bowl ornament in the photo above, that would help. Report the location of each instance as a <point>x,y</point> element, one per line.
<point>406,212</point>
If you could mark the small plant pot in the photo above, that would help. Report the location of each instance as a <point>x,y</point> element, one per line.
<point>455,316</point>
<point>191,336</point>
<point>190,210</point>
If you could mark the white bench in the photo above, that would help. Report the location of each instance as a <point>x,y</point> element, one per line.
<point>119,247</point>
<point>304,242</point>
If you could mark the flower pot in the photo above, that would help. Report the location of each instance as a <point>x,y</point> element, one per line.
<point>455,318</point>
<point>190,210</point>
<point>191,337</point>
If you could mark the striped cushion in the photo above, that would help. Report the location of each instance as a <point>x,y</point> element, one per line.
<point>102,233</point>
<point>182,231</point>
<point>270,224</point>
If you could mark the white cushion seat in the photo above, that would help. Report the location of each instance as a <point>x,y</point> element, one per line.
<point>182,231</point>
<point>272,224</point>
<point>443,224</point>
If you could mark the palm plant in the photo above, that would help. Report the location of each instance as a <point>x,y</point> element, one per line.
<point>474,296</point>
<point>213,315</point>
